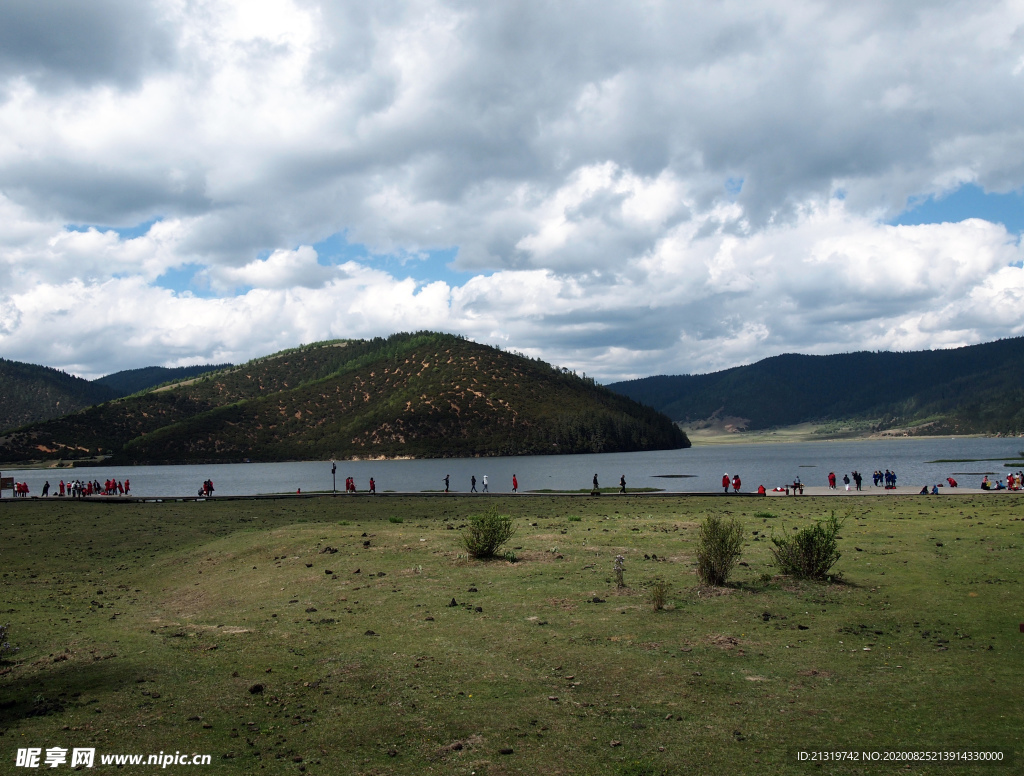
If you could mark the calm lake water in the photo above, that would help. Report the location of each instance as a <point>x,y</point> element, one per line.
<point>697,469</point>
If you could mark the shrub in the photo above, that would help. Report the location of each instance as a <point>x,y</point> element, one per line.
<point>485,533</point>
<point>394,519</point>
<point>811,552</point>
<point>764,514</point>
<point>6,648</point>
<point>719,544</point>
<point>574,518</point>
<point>659,594</point>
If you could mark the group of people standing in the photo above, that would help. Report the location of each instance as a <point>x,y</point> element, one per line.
<point>736,483</point>
<point>858,479</point>
<point>888,477</point>
<point>79,489</point>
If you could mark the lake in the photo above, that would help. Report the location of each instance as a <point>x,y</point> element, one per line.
<point>697,469</point>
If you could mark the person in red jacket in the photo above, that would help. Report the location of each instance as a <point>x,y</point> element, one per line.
<point>831,480</point>
<point>761,491</point>
<point>725,482</point>
<point>515,484</point>
<point>736,484</point>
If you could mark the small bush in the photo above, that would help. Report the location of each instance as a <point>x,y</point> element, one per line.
<point>659,595</point>
<point>719,544</point>
<point>811,552</point>
<point>485,533</point>
<point>574,518</point>
<point>394,519</point>
<point>6,648</point>
<point>764,514</point>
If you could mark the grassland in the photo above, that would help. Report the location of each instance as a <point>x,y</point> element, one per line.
<point>321,636</point>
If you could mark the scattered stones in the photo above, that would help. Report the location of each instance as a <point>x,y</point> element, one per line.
<point>453,603</point>
<point>371,633</point>
<point>598,600</point>
<point>256,689</point>
<point>328,550</point>
<point>803,627</point>
<point>328,572</point>
<point>310,610</point>
<point>616,743</point>
<point>478,609</point>
<point>472,590</point>
<point>309,565</point>
<point>429,619</point>
<point>505,750</point>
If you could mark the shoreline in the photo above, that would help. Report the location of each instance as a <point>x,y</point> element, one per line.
<point>781,436</point>
<point>811,491</point>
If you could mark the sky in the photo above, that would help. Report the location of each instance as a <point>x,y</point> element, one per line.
<point>624,189</point>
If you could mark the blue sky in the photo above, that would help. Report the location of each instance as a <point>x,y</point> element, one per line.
<point>967,201</point>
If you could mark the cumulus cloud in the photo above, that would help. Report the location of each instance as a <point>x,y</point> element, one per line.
<point>630,189</point>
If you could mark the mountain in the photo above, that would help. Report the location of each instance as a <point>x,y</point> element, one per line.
<point>422,395</point>
<point>30,393</point>
<point>973,389</point>
<point>130,381</point>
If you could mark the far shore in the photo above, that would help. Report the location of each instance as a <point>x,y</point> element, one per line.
<point>804,432</point>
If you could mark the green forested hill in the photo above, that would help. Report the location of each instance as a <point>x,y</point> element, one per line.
<point>425,395</point>
<point>30,393</point>
<point>974,389</point>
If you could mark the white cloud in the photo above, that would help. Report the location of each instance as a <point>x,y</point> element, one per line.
<point>659,189</point>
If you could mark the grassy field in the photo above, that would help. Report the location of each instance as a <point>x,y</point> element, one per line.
<point>352,636</point>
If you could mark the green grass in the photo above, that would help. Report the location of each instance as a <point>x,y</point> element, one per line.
<point>134,620</point>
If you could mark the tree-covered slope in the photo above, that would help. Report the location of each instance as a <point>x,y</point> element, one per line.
<point>974,389</point>
<point>31,393</point>
<point>425,395</point>
<point>130,381</point>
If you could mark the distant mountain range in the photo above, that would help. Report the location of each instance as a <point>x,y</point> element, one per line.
<point>31,393</point>
<point>422,395</point>
<point>974,389</point>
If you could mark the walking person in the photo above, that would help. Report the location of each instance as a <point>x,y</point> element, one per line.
<point>597,488</point>
<point>622,484</point>
<point>485,483</point>
<point>472,484</point>
<point>46,489</point>
<point>373,486</point>
<point>846,481</point>
<point>515,484</point>
<point>736,483</point>
<point>725,482</point>
<point>446,482</point>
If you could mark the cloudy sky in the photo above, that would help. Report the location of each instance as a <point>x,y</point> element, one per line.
<point>622,188</point>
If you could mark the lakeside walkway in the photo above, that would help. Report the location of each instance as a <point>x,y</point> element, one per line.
<point>816,491</point>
